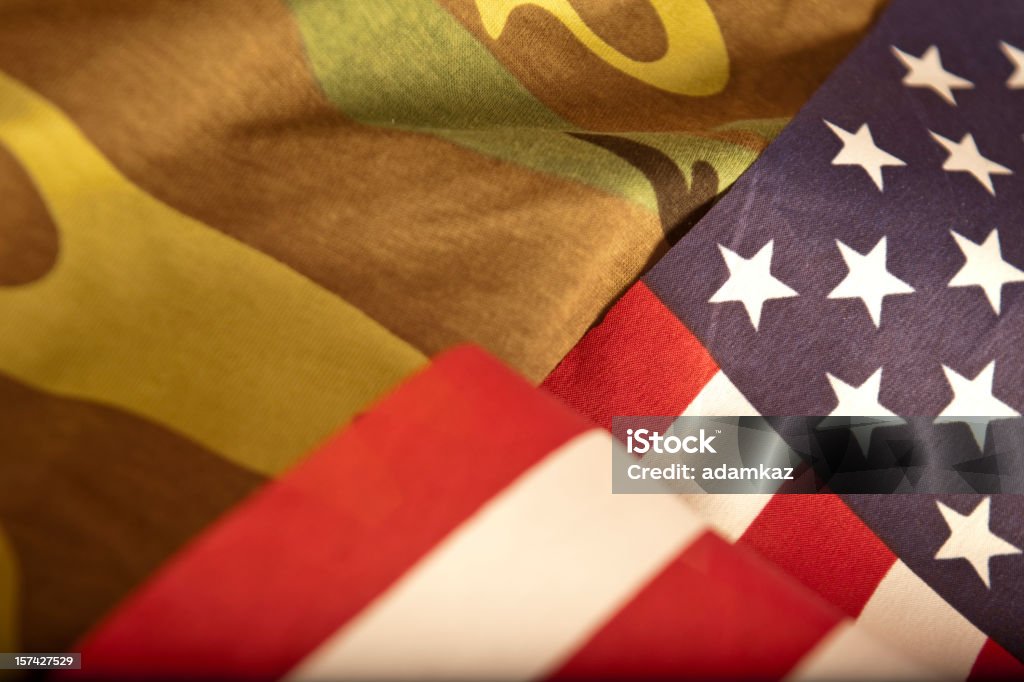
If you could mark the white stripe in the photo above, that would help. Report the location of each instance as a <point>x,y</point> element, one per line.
<point>520,585</point>
<point>905,611</point>
<point>720,398</point>
<point>730,515</point>
<point>848,653</point>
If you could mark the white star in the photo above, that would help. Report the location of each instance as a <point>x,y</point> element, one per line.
<point>974,398</point>
<point>868,279</point>
<point>964,156</point>
<point>926,71</point>
<point>1015,55</point>
<point>750,281</point>
<point>859,149</point>
<point>858,401</point>
<point>971,539</point>
<point>985,268</point>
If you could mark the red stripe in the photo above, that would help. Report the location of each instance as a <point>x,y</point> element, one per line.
<point>640,360</point>
<point>819,541</point>
<point>716,612</point>
<point>259,590</point>
<point>996,663</point>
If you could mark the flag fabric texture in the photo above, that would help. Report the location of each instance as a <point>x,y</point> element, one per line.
<point>401,550</point>
<point>870,263</point>
<point>239,240</point>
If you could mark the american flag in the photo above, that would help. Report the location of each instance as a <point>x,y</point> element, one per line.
<point>870,263</point>
<point>464,528</point>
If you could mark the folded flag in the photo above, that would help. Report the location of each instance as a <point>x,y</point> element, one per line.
<point>870,263</point>
<point>463,528</point>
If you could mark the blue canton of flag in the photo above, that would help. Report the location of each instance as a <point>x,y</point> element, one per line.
<point>872,263</point>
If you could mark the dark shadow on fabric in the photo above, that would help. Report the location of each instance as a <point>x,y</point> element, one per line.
<point>681,204</point>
